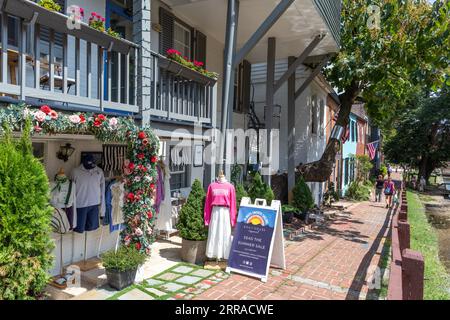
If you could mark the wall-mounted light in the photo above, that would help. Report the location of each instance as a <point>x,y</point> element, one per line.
<point>65,152</point>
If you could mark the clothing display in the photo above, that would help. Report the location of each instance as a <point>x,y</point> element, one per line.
<point>114,198</point>
<point>87,219</point>
<point>60,222</point>
<point>159,188</point>
<point>90,194</point>
<point>220,216</point>
<point>63,196</point>
<point>164,217</point>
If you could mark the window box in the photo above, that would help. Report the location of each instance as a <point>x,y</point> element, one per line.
<point>178,69</point>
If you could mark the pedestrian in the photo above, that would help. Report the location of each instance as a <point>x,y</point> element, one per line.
<point>422,184</point>
<point>389,170</point>
<point>389,190</point>
<point>414,182</point>
<point>379,184</point>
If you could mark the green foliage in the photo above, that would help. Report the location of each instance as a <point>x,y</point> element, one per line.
<point>191,223</point>
<point>383,170</point>
<point>302,196</point>
<point>288,208</point>
<point>125,259</point>
<point>113,33</point>
<point>331,195</point>
<point>50,5</point>
<point>25,215</point>
<point>240,193</point>
<point>359,191</point>
<point>236,174</point>
<point>422,135</point>
<point>258,189</point>
<point>363,167</point>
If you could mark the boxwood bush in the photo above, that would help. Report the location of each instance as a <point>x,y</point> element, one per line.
<point>125,259</point>
<point>25,215</point>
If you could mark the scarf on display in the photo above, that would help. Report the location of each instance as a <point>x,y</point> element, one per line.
<point>59,182</point>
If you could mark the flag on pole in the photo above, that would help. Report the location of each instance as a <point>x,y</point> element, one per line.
<point>346,134</point>
<point>372,147</point>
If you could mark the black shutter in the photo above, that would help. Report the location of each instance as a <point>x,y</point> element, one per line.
<point>242,91</point>
<point>166,20</point>
<point>200,47</point>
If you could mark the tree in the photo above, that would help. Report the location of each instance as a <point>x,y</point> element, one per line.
<point>302,196</point>
<point>258,189</point>
<point>240,193</point>
<point>191,223</point>
<point>422,138</point>
<point>384,64</point>
<point>25,215</point>
<point>363,167</point>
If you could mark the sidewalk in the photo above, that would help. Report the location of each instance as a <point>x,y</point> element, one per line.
<point>330,262</point>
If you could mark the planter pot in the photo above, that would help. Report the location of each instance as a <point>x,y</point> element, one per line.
<point>301,215</point>
<point>193,251</point>
<point>177,68</point>
<point>287,217</point>
<point>120,279</point>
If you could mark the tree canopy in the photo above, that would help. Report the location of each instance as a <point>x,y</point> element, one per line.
<point>385,58</point>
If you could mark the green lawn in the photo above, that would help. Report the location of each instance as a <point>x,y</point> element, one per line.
<point>424,239</point>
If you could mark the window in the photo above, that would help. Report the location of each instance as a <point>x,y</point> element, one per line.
<point>355,127</point>
<point>178,174</point>
<point>322,116</point>
<point>242,87</point>
<point>182,39</point>
<point>346,171</point>
<point>313,114</point>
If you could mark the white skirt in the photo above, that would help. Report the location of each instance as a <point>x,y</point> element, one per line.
<point>219,234</point>
<point>164,217</point>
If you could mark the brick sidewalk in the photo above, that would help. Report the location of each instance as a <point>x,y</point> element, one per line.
<point>330,262</point>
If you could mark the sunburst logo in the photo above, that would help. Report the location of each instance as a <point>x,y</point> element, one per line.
<point>256,220</point>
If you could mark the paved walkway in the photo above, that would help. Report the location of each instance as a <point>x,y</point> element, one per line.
<point>332,261</point>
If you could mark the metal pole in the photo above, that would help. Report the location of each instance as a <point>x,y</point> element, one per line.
<point>270,81</point>
<point>291,127</point>
<point>85,246</point>
<point>228,80</point>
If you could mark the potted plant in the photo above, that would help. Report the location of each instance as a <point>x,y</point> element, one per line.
<point>191,226</point>
<point>121,266</point>
<point>97,22</point>
<point>258,189</point>
<point>50,5</point>
<point>302,198</point>
<point>288,212</point>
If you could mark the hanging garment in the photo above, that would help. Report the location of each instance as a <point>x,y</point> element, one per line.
<point>90,187</point>
<point>60,222</point>
<point>219,233</point>
<point>113,157</point>
<point>63,196</point>
<point>220,194</point>
<point>164,217</point>
<point>159,189</point>
<point>114,197</point>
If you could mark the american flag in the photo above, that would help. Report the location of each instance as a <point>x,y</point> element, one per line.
<point>345,135</point>
<point>372,147</point>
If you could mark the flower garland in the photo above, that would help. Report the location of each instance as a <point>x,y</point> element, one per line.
<point>176,56</point>
<point>140,166</point>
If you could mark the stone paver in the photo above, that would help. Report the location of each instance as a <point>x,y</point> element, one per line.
<point>183,269</point>
<point>135,294</point>
<point>188,279</point>
<point>153,282</point>
<point>168,276</point>
<point>156,292</point>
<point>202,273</point>
<point>329,262</point>
<point>172,287</point>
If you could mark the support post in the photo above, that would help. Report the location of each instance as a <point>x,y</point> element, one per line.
<point>270,81</point>
<point>404,235</point>
<point>228,75</point>
<point>311,77</point>
<point>413,267</point>
<point>291,129</point>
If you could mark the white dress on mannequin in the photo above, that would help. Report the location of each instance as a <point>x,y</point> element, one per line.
<point>164,217</point>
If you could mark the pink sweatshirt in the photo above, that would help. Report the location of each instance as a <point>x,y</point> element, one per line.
<point>220,194</point>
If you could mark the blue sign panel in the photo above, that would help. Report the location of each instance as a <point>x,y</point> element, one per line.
<point>252,240</point>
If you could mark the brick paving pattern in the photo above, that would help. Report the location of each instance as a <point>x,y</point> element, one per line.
<point>333,261</point>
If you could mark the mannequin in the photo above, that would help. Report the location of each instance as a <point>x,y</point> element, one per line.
<point>220,216</point>
<point>63,196</point>
<point>164,211</point>
<point>90,194</point>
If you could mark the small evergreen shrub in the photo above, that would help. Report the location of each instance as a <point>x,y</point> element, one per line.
<point>258,189</point>
<point>125,259</point>
<point>191,223</point>
<point>359,191</point>
<point>25,215</point>
<point>240,193</point>
<point>302,196</point>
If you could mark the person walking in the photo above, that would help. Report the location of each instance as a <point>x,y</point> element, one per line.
<point>389,189</point>
<point>379,184</point>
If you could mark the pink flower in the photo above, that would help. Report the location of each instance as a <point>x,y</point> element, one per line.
<point>113,122</point>
<point>37,129</point>
<point>138,232</point>
<point>53,114</point>
<point>39,116</point>
<point>75,119</point>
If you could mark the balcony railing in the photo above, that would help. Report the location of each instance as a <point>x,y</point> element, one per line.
<point>180,93</point>
<point>44,60</point>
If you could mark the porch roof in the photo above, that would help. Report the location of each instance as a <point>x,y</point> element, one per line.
<point>294,30</point>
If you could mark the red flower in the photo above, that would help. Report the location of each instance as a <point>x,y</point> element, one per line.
<point>172,52</point>
<point>142,135</point>
<point>149,214</point>
<point>198,63</point>
<point>97,123</point>
<point>130,196</point>
<point>82,118</point>
<point>141,156</point>
<point>131,166</point>
<point>152,185</point>
<point>46,109</point>
<point>101,117</point>
<point>145,142</point>
<point>138,246</point>
<point>154,159</point>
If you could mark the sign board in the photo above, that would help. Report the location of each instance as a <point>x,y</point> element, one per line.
<point>258,241</point>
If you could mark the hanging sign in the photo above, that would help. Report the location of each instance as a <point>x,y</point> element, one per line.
<point>258,240</point>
